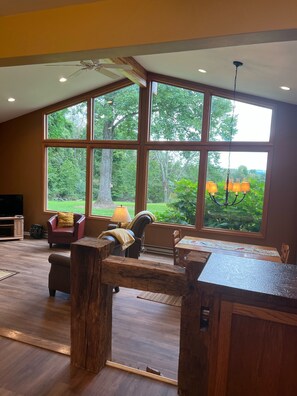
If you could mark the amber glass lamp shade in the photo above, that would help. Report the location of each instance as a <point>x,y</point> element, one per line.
<point>211,187</point>
<point>245,187</point>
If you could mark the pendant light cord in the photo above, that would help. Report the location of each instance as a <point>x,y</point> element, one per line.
<point>236,64</point>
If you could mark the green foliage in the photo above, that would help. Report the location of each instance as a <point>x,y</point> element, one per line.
<point>66,173</point>
<point>247,216</point>
<point>176,113</point>
<point>68,123</point>
<point>182,209</point>
<point>116,114</point>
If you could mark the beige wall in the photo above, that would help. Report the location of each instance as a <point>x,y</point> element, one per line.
<point>21,164</point>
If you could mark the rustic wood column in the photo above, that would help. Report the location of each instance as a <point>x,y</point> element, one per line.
<point>91,305</point>
<point>193,354</point>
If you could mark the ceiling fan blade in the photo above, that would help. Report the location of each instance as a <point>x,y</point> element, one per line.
<point>115,66</point>
<point>62,64</point>
<point>88,64</point>
<point>107,73</point>
<point>75,74</point>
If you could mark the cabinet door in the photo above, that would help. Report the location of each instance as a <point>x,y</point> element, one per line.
<point>257,352</point>
<point>19,228</point>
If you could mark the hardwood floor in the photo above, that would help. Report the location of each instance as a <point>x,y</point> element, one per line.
<point>145,334</point>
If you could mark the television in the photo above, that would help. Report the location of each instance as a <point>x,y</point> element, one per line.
<point>11,205</point>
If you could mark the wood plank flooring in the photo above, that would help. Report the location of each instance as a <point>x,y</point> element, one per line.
<point>145,334</point>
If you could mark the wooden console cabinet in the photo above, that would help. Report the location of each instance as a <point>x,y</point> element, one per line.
<point>11,228</point>
<point>247,343</point>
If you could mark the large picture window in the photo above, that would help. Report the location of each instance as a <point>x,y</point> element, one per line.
<point>176,113</point>
<point>100,153</point>
<point>250,167</point>
<point>66,179</point>
<point>68,123</point>
<point>172,185</point>
<point>116,115</point>
<point>251,123</point>
<point>114,180</point>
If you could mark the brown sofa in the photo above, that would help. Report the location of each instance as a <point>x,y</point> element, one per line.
<point>65,235</point>
<point>59,275</point>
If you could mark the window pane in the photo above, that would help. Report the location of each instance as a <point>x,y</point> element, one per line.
<point>172,186</point>
<point>114,180</point>
<point>66,177</point>
<point>69,123</point>
<point>116,115</point>
<point>176,113</point>
<point>251,123</point>
<point>247,215</point>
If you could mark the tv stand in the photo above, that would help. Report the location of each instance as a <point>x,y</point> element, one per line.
<point>11,228</point>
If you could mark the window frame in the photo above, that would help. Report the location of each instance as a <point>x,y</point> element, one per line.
<point>143,145</point>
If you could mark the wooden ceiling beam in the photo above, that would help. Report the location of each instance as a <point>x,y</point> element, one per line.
<point>137,74</point>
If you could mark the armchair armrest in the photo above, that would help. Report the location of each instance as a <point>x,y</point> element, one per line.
<point>52,223</point>
<point>79,227</point>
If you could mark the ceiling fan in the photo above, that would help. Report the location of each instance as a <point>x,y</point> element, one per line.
<point>97,66</point>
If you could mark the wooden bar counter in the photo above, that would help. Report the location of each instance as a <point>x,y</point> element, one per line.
<point>245,341</point>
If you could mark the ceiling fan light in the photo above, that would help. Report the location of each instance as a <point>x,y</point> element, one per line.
<point>284,88</point>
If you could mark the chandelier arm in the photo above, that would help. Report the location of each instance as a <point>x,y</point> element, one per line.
<point>244,195</point>
<point>215,201</point>
<point>234,201</point>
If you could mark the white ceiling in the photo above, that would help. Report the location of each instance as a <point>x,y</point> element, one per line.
<point>266,67</point>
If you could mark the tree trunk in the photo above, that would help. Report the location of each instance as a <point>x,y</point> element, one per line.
<point>104,192</point>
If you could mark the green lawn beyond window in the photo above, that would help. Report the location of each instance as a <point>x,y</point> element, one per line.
<point>78,207</point>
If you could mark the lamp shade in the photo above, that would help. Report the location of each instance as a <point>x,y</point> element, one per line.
<point>121,215</point>
<point>245,186</point>
<point>236,187</point>
<point>211,187</point>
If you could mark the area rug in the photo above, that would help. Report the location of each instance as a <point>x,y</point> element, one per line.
<point>6,274</point>
<point>161,298</point>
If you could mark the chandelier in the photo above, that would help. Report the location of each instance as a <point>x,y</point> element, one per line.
<point>232,189</point>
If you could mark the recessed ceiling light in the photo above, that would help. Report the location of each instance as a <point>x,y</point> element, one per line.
<point>202,71</point>
<point>285,88</point>
<point>63,79</point>
<point>11,99</point>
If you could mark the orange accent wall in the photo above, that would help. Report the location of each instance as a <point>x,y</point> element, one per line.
<point>130,27</point>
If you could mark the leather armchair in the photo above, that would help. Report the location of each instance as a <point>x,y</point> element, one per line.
<point>59,275</point>
<point>65,235</point>
<point>138,228</point>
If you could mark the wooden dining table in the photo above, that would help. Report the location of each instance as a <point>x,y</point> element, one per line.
<point>194,244</point>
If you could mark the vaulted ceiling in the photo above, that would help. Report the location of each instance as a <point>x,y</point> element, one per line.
<point>266,67</point>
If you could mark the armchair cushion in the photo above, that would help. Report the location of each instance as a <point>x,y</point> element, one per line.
<point>65,219</point>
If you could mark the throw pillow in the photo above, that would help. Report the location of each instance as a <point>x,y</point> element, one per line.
<point>65,219</point>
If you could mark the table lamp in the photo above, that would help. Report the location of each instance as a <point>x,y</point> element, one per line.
<point>121,215</point>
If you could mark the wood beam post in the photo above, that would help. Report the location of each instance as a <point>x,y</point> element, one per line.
<point>91,305</point>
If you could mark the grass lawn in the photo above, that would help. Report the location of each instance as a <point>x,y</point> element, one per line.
<point>79,207</point>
